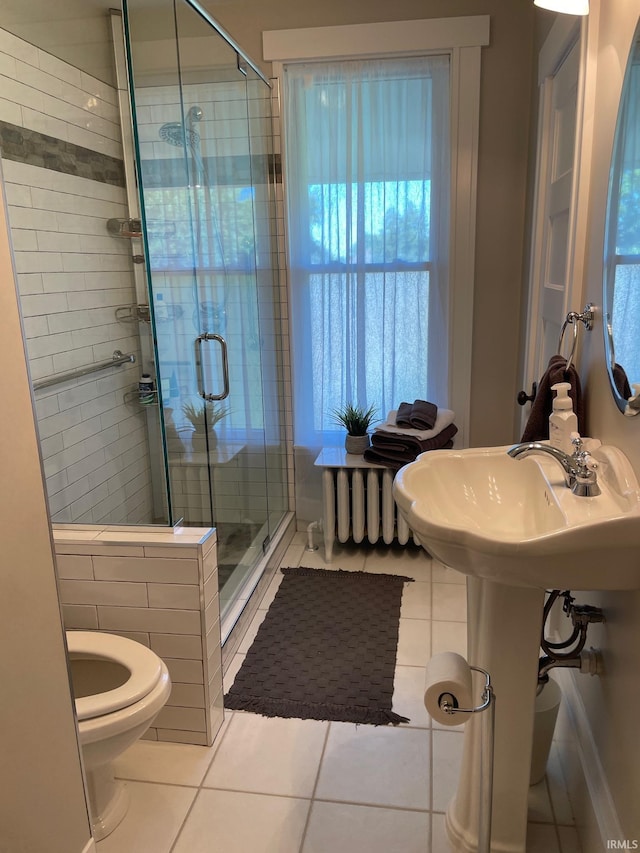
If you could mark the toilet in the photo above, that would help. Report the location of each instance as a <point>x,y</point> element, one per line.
<point>119,686</point>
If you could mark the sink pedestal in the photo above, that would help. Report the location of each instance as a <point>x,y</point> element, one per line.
<point>505,626</point>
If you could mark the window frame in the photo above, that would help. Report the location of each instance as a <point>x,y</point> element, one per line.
<point>461,39</point>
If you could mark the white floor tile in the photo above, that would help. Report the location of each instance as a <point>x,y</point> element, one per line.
<point>170,763</point>
<point>232,670</point>
<point>408,696</point>
<point>231,822</point>
<point>447,758</point>
<point>252,630</point>
<point>293,555</point>
<point>414,642</point>
<point>398,560</point>
<point>341,828</point>
<point>347,557</point>
<point>539,804</point>
<point>542,838</point>
<point>449,637</point>
<point>558,788</point>
<point>449,602</point>
<point>439,841</point>
<point>569,839</point>
<point>416,601</point>
<point>269,755</point>
<point>443,574</point>
<point>271,590</point>
<point>155,815</point>
<point>376,765</point>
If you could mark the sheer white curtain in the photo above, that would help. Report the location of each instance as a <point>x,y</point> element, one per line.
<point>367,175</point>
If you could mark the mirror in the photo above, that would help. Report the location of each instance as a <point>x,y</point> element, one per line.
<point>621,286</point>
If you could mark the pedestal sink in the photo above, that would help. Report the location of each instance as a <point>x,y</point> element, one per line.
<point>515,529</point>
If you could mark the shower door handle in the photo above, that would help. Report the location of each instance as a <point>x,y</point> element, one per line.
<point>207,336</point>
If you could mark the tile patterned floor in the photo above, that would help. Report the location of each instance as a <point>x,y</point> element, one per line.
<point>303,786</point>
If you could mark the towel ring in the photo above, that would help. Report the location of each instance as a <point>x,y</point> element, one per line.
<point>573,317</point>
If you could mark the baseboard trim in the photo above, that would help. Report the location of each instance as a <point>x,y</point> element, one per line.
<point>596,784</point>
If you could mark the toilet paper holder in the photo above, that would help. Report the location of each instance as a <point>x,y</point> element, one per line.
<point>449,704</point>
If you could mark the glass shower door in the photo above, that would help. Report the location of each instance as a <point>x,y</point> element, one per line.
<point>193,129</point>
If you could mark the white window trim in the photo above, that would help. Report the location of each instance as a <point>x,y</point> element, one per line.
<point>462,38</point>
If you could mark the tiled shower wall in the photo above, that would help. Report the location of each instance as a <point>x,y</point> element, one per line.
<point>62,166</point>
<point>159,588</point>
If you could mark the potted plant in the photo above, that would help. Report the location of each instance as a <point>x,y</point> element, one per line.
<point>203,416</point>
<point>356,420</point>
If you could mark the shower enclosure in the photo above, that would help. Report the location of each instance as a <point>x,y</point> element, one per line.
<point>205,170</point>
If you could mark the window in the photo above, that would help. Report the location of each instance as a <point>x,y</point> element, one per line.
<point>625,233</point>
<point>367,167</point>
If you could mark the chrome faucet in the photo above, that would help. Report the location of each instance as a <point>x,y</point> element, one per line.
<point>579,468</point>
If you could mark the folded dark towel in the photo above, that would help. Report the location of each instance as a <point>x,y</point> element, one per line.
<point>403,415</point>
<point>423,414</point>
<point>417,415</point>
<point>395,450</point>
<point>537,427</point>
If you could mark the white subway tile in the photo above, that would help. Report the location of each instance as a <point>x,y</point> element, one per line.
<point>177,646</point>
<point>210,588</point>
<point>74,567</point>
<point>175,552</point>
<point>185,671</point>
<point>156,621</point>
<point>137,636</point>
<point>57,68</point>
<point>177,736</point>
<point>17,47</point>
<point>186,695</point>
<point>103,592</point>
<point>174,595</point>
<point>152,570</point>
<point>187,719</point>
<point>79,616</point>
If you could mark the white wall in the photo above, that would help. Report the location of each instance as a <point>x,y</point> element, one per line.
<point>611,699</point>
<point>72,275</point>
<point>42,806</point>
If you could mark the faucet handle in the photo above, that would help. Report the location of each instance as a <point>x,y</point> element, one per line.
<point>576,441</point>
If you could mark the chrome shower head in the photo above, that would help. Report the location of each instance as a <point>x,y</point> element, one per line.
<point>194,114</point>
<point>176,134</point>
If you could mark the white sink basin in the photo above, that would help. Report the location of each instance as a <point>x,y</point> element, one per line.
<point>515,521</point>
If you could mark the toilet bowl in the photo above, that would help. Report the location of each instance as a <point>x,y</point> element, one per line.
<point>119,686</point>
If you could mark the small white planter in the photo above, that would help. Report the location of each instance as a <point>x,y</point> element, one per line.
<point>356,444</point>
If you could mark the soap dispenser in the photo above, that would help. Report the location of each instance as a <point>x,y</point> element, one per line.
<point>562,421</point>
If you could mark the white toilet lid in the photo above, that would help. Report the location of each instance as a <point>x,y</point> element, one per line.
<point>145,668</point>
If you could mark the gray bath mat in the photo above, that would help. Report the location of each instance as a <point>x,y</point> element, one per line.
<point>326,649</point>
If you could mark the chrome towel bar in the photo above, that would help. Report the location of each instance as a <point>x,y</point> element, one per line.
<point>117,359</point>
<point>574,318</point>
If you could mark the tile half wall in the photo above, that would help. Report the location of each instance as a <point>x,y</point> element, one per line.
<point>160,588</point>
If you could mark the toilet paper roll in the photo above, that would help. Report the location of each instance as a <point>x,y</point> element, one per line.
<point>448,673</point>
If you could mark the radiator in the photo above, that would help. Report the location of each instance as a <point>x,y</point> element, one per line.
<point>358,503</point>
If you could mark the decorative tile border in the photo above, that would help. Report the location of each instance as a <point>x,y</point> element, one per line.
<point>38,149</point>
<point>236,171</point>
